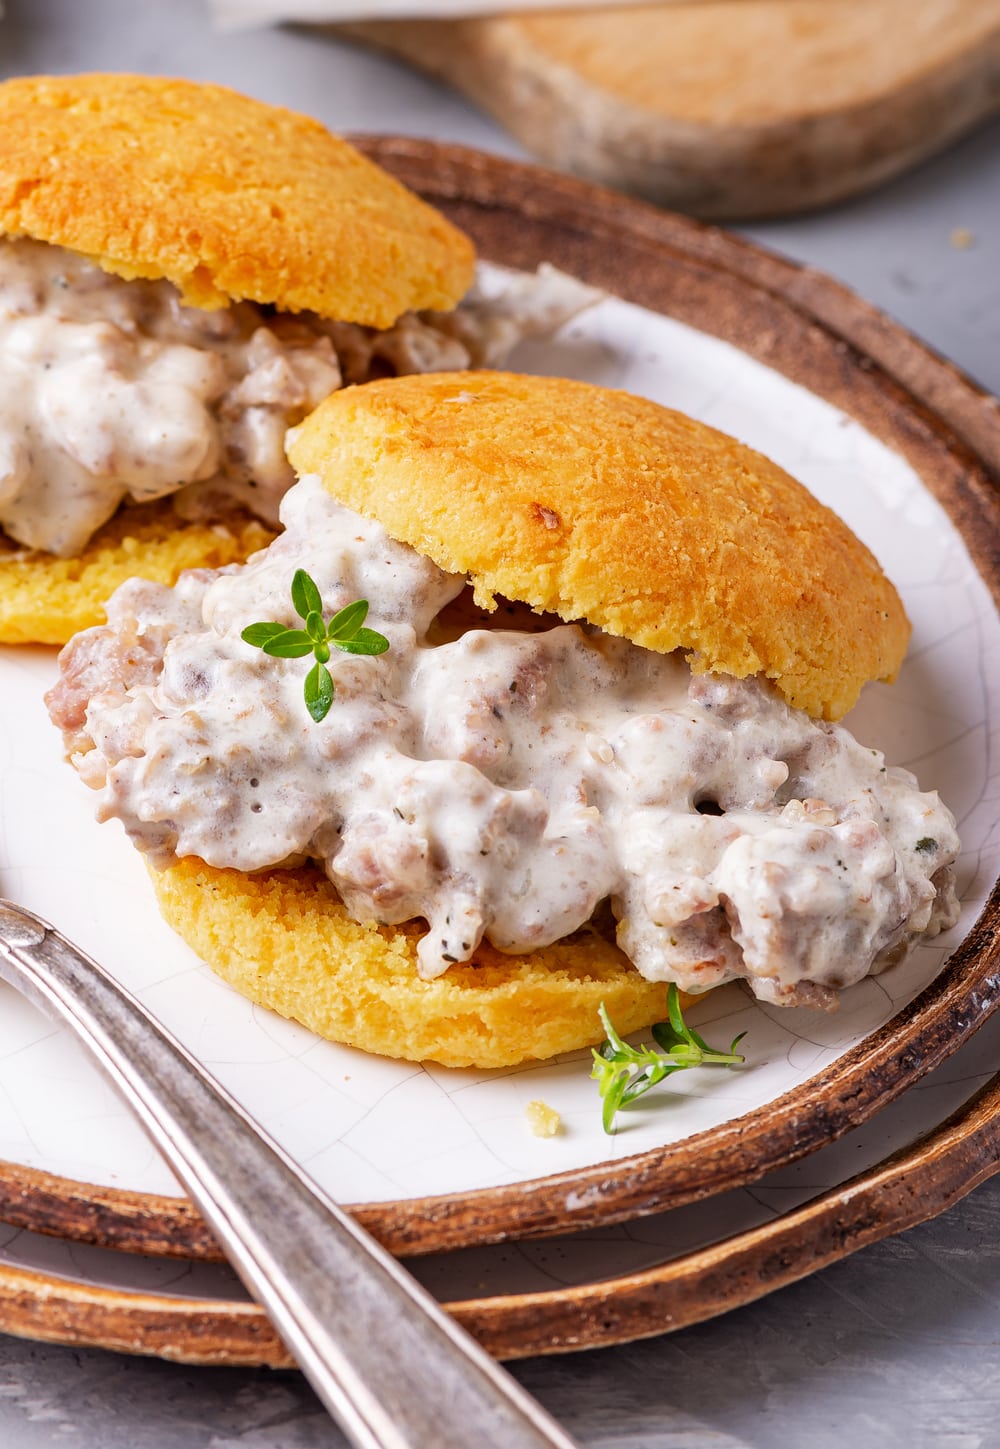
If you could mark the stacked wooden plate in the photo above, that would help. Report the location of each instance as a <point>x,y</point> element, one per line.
<point>719,1191</point>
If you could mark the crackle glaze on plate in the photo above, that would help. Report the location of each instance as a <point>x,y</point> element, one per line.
<point>368,1129</point>
<point>606,1285</point>
<point>573,1259</point>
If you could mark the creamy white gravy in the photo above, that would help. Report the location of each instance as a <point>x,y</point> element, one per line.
<point>503,783</point>
<point>114,391</point>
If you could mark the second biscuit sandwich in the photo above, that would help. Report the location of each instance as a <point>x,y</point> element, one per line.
<point>185,272</point>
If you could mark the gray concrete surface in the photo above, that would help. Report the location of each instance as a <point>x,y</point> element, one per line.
<point>894,1348</point>
<point>897,1346</point>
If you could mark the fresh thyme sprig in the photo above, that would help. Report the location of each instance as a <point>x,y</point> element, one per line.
<point>623,1072</point>
<point>344,631</point>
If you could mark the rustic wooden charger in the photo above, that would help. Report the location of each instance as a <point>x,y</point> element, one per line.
<point>815,331</point>
<point>909,1187</point>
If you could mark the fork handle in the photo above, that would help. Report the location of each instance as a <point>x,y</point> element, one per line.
<point>391,1366</point>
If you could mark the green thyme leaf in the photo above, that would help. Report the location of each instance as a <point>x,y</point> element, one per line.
<point>366,641</point>
<point>344,631</point>
<point>261,634</point>
<point>674,1013</point>
<point>305,595</point>
<point>926,844</point>
<point>665,1036</point>
<point>613,1094</point>
<point>319,692</point>
<point>292,644</point>
<point>624,1072</point>
<point>346,624</point>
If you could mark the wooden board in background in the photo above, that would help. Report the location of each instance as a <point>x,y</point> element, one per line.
<point>723,108</point>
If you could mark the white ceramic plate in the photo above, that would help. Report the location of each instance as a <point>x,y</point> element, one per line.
<point>573,1259</point>
<point>372,1129</point>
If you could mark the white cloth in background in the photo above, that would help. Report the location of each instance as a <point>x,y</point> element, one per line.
<point>236,14</point>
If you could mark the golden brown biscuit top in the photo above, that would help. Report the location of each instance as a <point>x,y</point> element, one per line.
<point>226,197</point>
<point>597,505</point>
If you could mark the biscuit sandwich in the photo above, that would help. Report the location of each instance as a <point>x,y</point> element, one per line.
<point>531,706</point>
<point>184,272</point>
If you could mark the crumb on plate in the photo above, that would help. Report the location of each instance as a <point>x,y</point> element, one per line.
<point>543,1120</point>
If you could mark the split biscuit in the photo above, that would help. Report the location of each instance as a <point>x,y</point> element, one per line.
<point>223,195</point>
<point>284,939</point>
<point>46,600</point>
<point>596,505</point>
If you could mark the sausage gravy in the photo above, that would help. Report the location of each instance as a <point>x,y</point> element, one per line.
<point>502,781</point>
<point>114,391</point>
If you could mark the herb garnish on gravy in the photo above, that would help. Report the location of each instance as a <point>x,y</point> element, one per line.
<point>344,631</point>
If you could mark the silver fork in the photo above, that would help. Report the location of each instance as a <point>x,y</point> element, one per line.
<point>389,1364</point>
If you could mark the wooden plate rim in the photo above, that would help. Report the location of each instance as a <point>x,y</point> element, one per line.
<point>817,332</point>
<point>910,1187</point>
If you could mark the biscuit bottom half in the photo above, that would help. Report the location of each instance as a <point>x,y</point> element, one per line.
<point>46,600</point>
<point>284,939</point>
